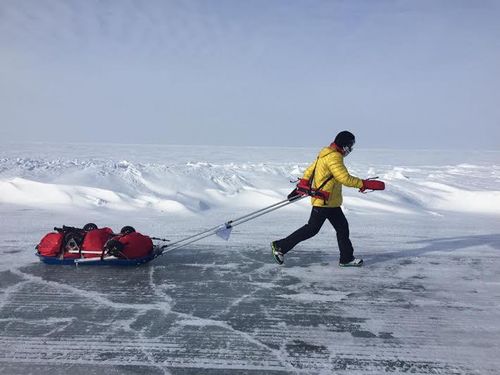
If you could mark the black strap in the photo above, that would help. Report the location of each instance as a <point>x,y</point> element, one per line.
<point>313,173</point>
<point>324,183</point>
<point>312,178</point>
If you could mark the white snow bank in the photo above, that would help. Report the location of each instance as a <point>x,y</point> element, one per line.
<point>31,193</point>
<point>444,197</point>
<point>206,178</point>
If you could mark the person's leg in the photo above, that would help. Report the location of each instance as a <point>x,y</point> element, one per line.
<point>339,222</point>
<point>309,230</point>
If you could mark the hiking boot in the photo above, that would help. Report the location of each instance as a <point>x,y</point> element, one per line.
<point>278,255</point>
<point>353,263</point>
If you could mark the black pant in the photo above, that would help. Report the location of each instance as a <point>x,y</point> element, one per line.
<point>318,216</point>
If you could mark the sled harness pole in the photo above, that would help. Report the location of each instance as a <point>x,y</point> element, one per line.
<point>228,224</point>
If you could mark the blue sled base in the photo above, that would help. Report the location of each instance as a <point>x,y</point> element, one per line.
<point>101,262</point>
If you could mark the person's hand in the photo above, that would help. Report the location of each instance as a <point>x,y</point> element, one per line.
<point>303,187</point>
<point>372,185</point>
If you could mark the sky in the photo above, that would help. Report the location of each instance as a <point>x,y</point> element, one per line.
<point>397,73</point>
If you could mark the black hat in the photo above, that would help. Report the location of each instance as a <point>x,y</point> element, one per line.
<point>345,138</point>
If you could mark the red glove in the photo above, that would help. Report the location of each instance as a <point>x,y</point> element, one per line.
<point>303,187</point>
<point>372,185</point>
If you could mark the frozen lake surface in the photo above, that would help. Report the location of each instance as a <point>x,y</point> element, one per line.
<point>427,301</point>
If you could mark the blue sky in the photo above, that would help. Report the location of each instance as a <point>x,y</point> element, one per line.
<point>403,74</point>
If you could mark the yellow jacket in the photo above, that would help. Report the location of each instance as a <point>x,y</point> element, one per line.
<point>330,162</point>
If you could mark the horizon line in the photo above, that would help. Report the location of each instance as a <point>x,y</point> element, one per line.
<point>234,146</point>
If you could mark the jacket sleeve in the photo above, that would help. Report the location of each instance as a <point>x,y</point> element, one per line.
<point>309,171</point>
<point>340,173</point>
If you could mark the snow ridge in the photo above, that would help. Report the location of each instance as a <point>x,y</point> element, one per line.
<point>197,185</point>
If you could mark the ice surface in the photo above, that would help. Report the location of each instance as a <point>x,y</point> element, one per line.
<point>426,302</point>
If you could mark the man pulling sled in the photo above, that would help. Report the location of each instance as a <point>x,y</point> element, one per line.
<point>323,181</point>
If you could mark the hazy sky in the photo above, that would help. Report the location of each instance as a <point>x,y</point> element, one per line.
<point>405,74</point>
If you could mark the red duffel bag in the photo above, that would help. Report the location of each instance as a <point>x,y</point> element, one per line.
<point>95,241</point>
<point>50,245</point>
<point>134,245</point>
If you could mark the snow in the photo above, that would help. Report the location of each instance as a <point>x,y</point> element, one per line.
<point>426,301</point>
<point>175,182</point>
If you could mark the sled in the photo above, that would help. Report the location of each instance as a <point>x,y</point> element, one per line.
<point>91,245</point>
<point>98,261</point>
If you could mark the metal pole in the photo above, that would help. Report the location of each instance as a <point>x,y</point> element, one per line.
<point>260,213</point>
<point>263,209</point>
<point>231,223</point>
<point>193,236</point>
<point>169,248</point>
